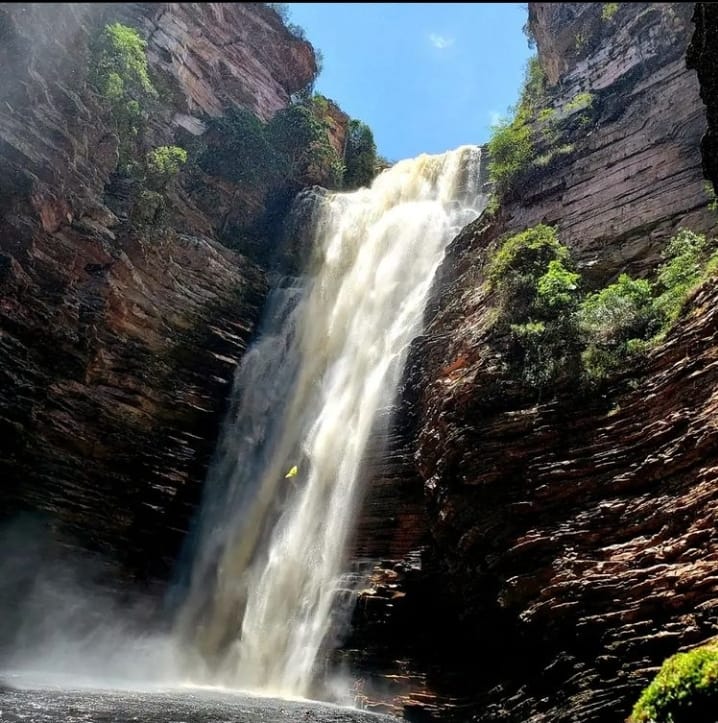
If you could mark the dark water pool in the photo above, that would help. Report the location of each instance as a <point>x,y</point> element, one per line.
<point>192,705</point>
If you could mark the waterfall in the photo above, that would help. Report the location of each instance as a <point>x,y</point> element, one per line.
<point>329,356</point>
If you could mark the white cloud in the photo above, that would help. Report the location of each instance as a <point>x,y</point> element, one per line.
<point>440,41</point>
<point>494,117</point>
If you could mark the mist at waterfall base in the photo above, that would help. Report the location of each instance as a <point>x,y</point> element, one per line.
<point>267,590</point>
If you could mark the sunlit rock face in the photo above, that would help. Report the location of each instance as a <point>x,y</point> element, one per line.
<point>635,174</point>
<point>571,540</point>
<point>117,347</point>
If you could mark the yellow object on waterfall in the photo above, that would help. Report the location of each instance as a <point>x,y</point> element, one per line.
<point>292,472</point>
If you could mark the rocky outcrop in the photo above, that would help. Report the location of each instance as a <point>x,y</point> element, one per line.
<point>571,535</point>
<point>118,340</point>
<point>337,123</point>
<point>702,56</point>
<point>224,53</point>
<point>625,170</point>
<point>579,532</point>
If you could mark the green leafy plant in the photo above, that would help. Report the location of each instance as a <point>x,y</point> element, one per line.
<point>525,255</point>
<point>550,326</point>
<point>711,196</point>
<point>511,147</point>
<point>359,156</point>
<point>612,320</point>
<point>149,210</point>
<point>299,134</point>
<point>556,289</point>
<point>680,273</point>
<point>546,115</point>
<point>510,151</point>
<point>164,163</point>
<point>292,150</point>
<point>246,155</point>
<point>579,102</point>
<point>538,295</point>
<point>685,690</point>
<point>580,42</point>
<point>608,11</point>
<point>120,73</point>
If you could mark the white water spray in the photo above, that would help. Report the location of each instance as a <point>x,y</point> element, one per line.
<point>272,549</point>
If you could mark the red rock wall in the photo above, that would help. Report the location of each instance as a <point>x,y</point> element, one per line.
<point>572,540</point>
<point>118,345</point>
<point>635,174</point>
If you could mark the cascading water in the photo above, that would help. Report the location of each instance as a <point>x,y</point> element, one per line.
<point>271,548</point>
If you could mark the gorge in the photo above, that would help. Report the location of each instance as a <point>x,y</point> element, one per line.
<point>509,543</point>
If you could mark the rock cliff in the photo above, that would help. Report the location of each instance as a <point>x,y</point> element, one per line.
<point>571,538</point>
<point>118,342</point>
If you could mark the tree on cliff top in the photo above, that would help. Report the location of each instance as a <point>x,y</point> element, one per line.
<point>360,156</point>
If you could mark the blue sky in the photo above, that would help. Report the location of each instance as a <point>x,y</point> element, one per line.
<point>424,77</point>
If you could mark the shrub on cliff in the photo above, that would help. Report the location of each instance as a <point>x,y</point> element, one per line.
<point>537,296</point>
<point>360,158</point>
<point>683,262</point>
<point>292,149</point>
<point>163,164</point>
<point>613,322</point>
<point>511,148</point>
<point>550,326</point>
<point>684,691</point>
<point>120,73</point>
<point>246,155</point>
<point>510,151</point>
<point>299,133</point>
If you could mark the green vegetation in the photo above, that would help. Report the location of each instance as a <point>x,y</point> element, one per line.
<point>510,152</point>
<point>680,273</point>
<point>299,136</point>
<point>578,102</point>
<point>283,10</point>
<point>120,67</point>
<point>612,322</point>
<point>293,149</point>
<point>551,327</point>
<point>149,210</point>
<point>537,297</point>
<point>711,196</point>
<point>546,158</point>
<point>608,11</point>
<point>523,257</point>
<point>511,149</point>
<point>247,156</point>
<point>546,115</point>
<point>631,315</point>
<point>164,163</point>
<point>360,156</point>
<point>514,142</point>
<point>684,691</point>
<point>580,42</point>
<point>120,74</point>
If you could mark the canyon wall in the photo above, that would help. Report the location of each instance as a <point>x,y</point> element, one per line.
<point>118,340</point>
<point>570,539</point>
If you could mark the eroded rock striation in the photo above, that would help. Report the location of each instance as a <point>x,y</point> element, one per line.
<point>118,342</point>
<point>571,536</point>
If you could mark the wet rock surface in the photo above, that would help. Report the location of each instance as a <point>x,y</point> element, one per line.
<point>170,706</point>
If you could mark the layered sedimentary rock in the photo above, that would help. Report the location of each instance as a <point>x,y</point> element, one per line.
<point>117,341</point>
<point>572,535</point>
<point>630,172</point>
